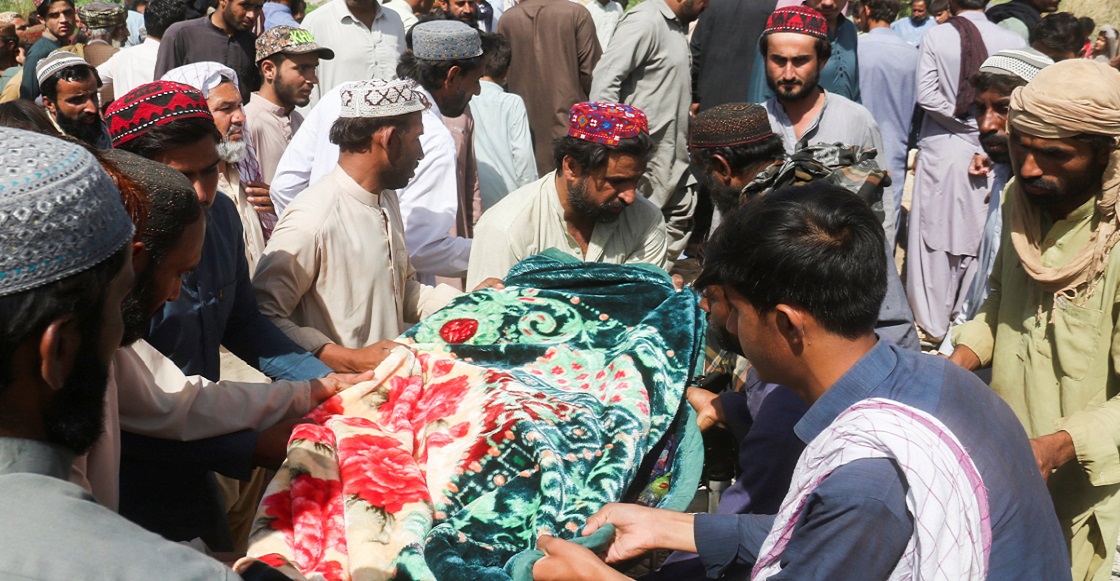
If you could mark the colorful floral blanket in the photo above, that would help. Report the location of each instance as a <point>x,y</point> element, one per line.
<point>520,411</point>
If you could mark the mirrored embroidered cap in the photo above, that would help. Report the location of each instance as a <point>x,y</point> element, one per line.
<point>606,123</point>
<point>151,105</point>
<point>102,15</point>
<point>289,40</point>
<point>444,40</point>
<point>57,61</point>
<point>798,19</point>
<point>60,213</point>
<point>729,124</point>
<point>381,98</point>
<point>1024,63</point>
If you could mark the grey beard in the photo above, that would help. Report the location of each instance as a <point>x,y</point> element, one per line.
<point>232,151</point>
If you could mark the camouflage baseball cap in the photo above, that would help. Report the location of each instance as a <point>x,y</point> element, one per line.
<point>289,40</point>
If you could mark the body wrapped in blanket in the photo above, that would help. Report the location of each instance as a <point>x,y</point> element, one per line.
<point>520,411</point>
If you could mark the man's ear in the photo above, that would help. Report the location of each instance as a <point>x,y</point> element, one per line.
<point>49,106</point>
<point>569,169</point>
<point>268,70</point>
<point>454,76</point>
<point>140,258</point>
<point>721,169</point>
<point>790,322</point>
<point>58,349</point>
<point>383,138</point>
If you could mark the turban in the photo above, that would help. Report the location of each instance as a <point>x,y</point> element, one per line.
<point>152,105</point>
<point>730,124</point>
<point>606,123</point>
<point>1067,99</point>
<point>60,214</point>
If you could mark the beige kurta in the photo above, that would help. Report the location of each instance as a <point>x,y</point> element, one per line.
<point>531,220</point>
<point>271,129</point>
<point>250,220</point>
<point>336,269</point>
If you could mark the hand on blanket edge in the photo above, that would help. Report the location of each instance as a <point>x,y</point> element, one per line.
<point>640,529</point>
<point>567,561</point>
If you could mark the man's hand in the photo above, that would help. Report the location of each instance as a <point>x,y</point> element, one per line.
<point>567,561</point>
<point>709,409</point>
<point>965,357</point>
<point>494,283</point>
<point>640,529</point>
<point>272,444</point>
<point>980,165</point>
<point>356,360</point>
<point>258,196</point>
<point>1052,452</point>
<point>325,388</point>
<point>693,109</point>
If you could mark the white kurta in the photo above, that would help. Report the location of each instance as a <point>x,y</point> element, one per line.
<point>336,269</point>
<point>531,220</point>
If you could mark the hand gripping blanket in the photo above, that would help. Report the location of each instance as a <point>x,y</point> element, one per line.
<point>518,411</point>
<point>952,527</point>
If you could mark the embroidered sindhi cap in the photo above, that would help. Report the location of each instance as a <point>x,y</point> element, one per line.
<point>606,123</point>
<point>729,124</point>
<point>151,105</point>
<point>1017,62</point>
<point>799,19</point>
<point>102,15</point>
<point>381,98</point>
<point>289,40</point>
<point>60,214</point>
<point>57,61</point>
<point>445,40</point>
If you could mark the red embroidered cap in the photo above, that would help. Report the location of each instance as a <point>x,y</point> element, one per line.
<point>799,19</point>
<point>151,105</point>
<point>606,123</point>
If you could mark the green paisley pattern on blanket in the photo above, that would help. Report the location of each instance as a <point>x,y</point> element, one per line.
<point>523,411</point>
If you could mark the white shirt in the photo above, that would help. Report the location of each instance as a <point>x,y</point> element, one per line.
<point>605,17</point>
<point>429,203</point>
<point>360,53</point>
<point>129,68</point>
<point>404,10</point>
<point>502,143</point>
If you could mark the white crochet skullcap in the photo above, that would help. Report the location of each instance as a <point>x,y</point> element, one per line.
<point>382,98</point>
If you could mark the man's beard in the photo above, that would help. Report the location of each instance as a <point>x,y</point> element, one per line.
<point>581,202</point>
<point>470,19</point>
<point>233,151</point>
<point>996,147</point>
<point>799,92</point>
<point>727,199</point>
<point>136,308</point>
<point>75,417</point>
<point>726,340</point>
<point>89,133</point>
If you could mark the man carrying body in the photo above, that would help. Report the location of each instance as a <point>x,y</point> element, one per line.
<point>1001,74</point>
<point>557,36</point>
<point>61,23</point>
<point>840,74</point>
<point>901,447</point>
<point>367,40</point>
<point>648,67</point>
<point>1048,326</point>
<point>287,58</point>
<point>69,85</point>
<point>336,276</point>
<point>225,37</point>
<point>947,212</point>
<point>913,27</point>
<point>136,65</point>
<point>446,61</point>
<point>887,65</point>
<point>588,208</point>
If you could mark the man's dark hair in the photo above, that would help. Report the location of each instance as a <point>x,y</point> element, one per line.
<point>353,134</point>
<point>816,247</point>
<point>883,10</point>
<point>178,133</point>
<point>590,156</point>
<point>937,6</point>
<point>823,47</point>
<point>432,74</point>
<point>43,9</point>
<point>72,74</point>
<point>740,157</point>
<point>498,53</point>
<point>27,313</point>
<point>161,14</point>
<point>972,4</point>
<point>1059,32</point>
<point>25,114</point>
<point>1003,84</point>
<point>1088,25</point>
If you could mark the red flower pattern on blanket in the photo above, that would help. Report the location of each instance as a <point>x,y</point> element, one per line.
<point>378,470</point>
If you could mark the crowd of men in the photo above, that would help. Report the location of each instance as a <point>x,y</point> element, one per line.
<point>215,217</point>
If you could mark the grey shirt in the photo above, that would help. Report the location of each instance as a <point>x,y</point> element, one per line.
<point>56,530</point>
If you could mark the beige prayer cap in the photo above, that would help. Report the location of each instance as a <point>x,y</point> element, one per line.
<point>1066,99</point>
